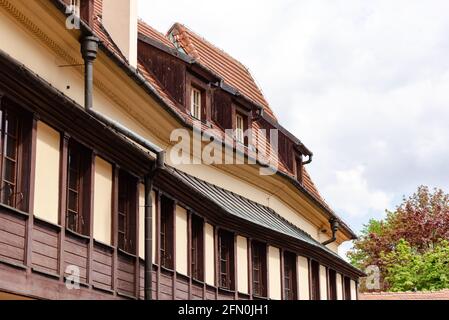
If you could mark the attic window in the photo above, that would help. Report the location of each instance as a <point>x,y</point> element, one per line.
<point>240,128</point>
<point>75,7</point>
<point>195,109</point>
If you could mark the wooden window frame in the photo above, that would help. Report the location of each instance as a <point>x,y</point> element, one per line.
<point>332,281</point>
<point>166,238</point>
<point>240,112</point>
<point>226,266</point>
<point>290,283</point>
<point>21,158</point>
<point>259,264</point>
<point>347,288</point>
<point>197,248</point>
<point>315,293</point>
<point>127,210</point>
<point>193,106</point>
<point>82,190</point>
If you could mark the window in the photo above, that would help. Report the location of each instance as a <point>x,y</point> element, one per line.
<point>226,256</point>
<point>197,240</point>
<point>78,184</point>
<point>14,150</point>
<point>259,268</point>
<point>315,274</point>
<point>196,103</point>
<point>240,129</point>
<point>166,233</point>
<point>290,276</point>
<point>127,211</point>
<point>332,285</point>
<point>347,288</point>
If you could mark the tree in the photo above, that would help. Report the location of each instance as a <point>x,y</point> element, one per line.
<point>421,222</point>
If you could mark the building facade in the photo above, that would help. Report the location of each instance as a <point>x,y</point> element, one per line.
<point>94,204</point>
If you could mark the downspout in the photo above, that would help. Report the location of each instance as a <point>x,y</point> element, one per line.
<point>89,50</point>
<point>335,225</point>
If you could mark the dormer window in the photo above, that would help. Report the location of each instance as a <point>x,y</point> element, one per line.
<point>240,128</point>
<point>195,109</point>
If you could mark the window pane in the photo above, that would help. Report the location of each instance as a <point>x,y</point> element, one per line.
<point>121,223</point>
<point>73,201</point>
<point>11,147</point>
<point>7,194</point>
<point>11,125</point>
<point>10,171</point>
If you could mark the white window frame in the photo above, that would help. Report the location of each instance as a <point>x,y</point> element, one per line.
<point>195,103</point>
<point>239,128</point>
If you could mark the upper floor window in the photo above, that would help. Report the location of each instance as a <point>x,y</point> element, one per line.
<point>226,256</point>
<point>14,150</point>
<point>127,211</point>
<point>197,240</point>
<point>347,288</point>
<point>315,277</point>
<point>259,268</point>
<point>166,232</point>
<point>290,284</point>
<point>332,284</point>
<point>195,107</point>
<point>78,185</point>
<point>240,128</point>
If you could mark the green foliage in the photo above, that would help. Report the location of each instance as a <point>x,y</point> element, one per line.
<point>410,245</point>
<point>408,269</point>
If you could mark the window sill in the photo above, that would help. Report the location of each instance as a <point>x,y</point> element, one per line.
<point>198,282</point>
<point>13,264</point>
<point>129,255</point>
<point>224,290</point>
<point>77,235</point>
<point>14,210</point>
<point>167,270</point>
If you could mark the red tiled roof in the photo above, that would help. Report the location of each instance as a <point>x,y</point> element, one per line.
<point>213,58</point>
<point>150,32</point>
<point>430,295</point>
<point>232,71</point>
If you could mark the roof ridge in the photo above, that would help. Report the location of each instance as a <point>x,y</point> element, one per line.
<point>188,29</point>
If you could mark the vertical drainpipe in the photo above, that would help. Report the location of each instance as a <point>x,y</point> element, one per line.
<point>89,49</point>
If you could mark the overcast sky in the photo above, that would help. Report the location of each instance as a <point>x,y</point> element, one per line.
<point>364,84</point>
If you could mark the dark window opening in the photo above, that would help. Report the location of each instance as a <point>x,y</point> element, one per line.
<point>197,243</point>
<point>315,279</point>
<point>290,282</point>
<point>15,142</point>
<point>226,257</point>
<point>347,288</point>
<point>332,285</point>
<point>78,188</point>
<point>166,232</point>
<point>127,212</point>
<point>259,268</point>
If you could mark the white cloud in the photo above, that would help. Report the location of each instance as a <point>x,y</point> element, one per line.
<point>364,84</point>
<point>351,194</point>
